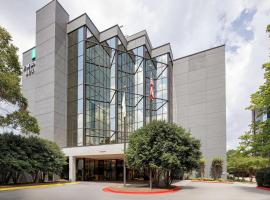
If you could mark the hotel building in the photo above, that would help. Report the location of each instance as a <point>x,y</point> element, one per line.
<point>74,78</point>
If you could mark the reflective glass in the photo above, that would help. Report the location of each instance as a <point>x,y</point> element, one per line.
<point>80,34</point>
<point>80,106</point>
<point>80,48</point>
<point>109,70</point>
<point>80,91</point>
<point>80,63</point>
<point>80,137</point>
<point>80,77</point>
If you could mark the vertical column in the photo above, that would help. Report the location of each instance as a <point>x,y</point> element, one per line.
<point>72,168</point>
<point>51,72</point>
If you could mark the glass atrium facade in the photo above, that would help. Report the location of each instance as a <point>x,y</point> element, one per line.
<point>98,75</point>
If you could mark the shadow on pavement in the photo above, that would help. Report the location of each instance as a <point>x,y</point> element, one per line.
<point>253,190</point>
<point>187,187</point>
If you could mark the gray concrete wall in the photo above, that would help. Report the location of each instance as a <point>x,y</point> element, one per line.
<point>46,89</point>
<point>199,100</point>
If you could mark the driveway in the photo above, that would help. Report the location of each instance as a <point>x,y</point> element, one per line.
<point>93,191</point>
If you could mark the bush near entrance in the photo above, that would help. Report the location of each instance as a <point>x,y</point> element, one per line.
<point>28,155</point>
<point>164,147</point>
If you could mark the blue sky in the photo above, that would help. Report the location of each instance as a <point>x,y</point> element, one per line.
<point>189,26</point>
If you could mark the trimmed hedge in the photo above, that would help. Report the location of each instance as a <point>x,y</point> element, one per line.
<point>263,177</point>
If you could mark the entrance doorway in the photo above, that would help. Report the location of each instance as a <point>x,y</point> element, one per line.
<point>103,170</point>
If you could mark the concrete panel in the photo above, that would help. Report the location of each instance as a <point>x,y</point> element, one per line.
<point>48,84</point>
<point>81,21</point>
<point>45,16</point>
<point>137,43</point>
<point>180,79</point>
<point>46,120</point>
<point>196,86</point>
<point>44,106</point>
<point>180,66</point>
<point>140,34</point>
<point>163,49</point>
<point>196,75</point>
<point>45,49</point>
<point>200,102</point>
<point>45,77</point>
<point>215,82</point>
<point>44,91</point>
<point>100,150</point>
<point>112,32</point>
<point>45,34</point>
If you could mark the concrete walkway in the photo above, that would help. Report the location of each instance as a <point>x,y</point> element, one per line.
<point>93,191</point>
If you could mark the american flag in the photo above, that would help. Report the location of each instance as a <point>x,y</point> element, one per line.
<point>152,89</point>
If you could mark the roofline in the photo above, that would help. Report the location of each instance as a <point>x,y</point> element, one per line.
<point>81,16</point>
<point>110,28</point>
<point>51,2</point>
<point>166,44</point>
<point>139,36</point>
<point>199,52</point>
<point>119,34</point>
<point>28,50</point>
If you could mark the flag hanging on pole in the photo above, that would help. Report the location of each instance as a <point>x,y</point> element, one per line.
<point>152,89</point>
<point>124,111</point>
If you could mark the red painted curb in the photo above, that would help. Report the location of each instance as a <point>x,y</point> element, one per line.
<point>263,188</point>
<point>108,189</point>
<point>212,182</point>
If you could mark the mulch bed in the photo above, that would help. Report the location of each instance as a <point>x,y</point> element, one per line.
<point>140,190</point>
<point>263,188</point>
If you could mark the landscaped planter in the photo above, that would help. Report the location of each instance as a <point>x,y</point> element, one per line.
<point>143,191</point>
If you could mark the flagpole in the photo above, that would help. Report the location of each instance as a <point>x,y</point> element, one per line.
<point>124,160</point>
<point>150,120</point>
<point>125,130</point>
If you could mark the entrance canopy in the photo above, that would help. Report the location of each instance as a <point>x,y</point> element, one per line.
<point>108,151</point>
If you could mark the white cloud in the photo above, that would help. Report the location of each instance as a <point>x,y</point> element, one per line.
<point>189,26</point>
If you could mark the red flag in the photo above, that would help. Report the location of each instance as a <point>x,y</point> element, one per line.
<point>152,89</point>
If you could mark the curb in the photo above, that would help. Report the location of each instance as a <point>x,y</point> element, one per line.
<point>263,188</point>
<point>212,182</point>
<point>108,189</point>
<point>36,186</point>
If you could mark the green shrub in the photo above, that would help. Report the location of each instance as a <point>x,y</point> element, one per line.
<point>263,177</point>
<point>216,168</point>
<point>266,178</point>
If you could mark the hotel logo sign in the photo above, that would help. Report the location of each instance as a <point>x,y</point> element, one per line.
<point>30,68</point>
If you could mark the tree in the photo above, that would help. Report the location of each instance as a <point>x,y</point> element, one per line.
<point>165,148</point>
<point>32,155</point>
<point>216,167</point>
<point>258,138</point>
<point>202,167</point>
<point>242,165</point>
<point>10,91</point>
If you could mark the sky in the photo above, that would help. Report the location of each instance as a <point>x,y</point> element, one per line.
<point>190,26</point>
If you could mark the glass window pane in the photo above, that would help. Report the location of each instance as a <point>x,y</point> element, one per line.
<point>80,137</point>
<point>80,63</point>
<point>80,91</point>
<point>80,77</point>
<point>80,106</point>
<point>80,120</point>
<point>80,48</point>
<point>80,34</point>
